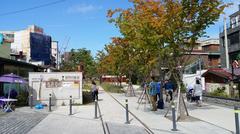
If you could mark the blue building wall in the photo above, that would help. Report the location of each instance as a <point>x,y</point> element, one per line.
<point>40,48</point>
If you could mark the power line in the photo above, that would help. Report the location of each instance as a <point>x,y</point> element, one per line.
<point>32,8</point>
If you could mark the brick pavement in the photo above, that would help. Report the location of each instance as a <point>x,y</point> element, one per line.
<point>20,121</point>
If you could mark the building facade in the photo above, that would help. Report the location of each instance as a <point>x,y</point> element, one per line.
<point>31,45</point>
<point>40,48</point>
<point>212,48</point>
<point>55,54</point>
<point>205,55</point>
<point>66,56</point>
<point>233,39</point>
<point>6,38</point>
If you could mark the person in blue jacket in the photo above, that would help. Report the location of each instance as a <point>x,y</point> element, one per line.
<point>169,89</point>
<point>153,93</point>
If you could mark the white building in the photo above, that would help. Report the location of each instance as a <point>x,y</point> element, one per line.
<point>55,53</point>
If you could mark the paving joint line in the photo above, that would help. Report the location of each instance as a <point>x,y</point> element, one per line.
<point>148,130</point>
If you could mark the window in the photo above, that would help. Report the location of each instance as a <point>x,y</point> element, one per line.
<point>233,21</point>
<point>234,38</point>
<point>236,20</point>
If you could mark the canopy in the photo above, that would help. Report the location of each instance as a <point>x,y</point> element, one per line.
<point>12,78</point>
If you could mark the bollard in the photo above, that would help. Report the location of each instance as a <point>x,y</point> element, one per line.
<point>174,118</point>
<point>31,101</point>
<point>96,103</point>
<point>127,114</point>
<point>50,102</point>
<point>70,105</point>
<point>236,112</point>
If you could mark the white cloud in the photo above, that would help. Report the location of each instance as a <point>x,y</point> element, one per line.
<point>83,8</point>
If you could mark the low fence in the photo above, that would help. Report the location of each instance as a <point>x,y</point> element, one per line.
<point>221,100</point>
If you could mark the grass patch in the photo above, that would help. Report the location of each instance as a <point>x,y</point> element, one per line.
<point>112,88</point>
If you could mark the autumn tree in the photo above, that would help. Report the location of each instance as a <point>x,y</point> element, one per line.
<point>166,29</point>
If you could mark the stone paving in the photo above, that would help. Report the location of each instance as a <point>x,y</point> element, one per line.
<point>20,121</point>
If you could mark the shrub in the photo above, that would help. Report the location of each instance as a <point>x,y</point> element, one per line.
<point>87,97</point>
<point>22,98</point>
<point>112,88</point>
<point>219,92</point>
<point>87,86</point>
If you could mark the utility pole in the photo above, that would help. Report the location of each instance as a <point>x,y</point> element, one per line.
<point>226,43</point>
<point>200,66</point>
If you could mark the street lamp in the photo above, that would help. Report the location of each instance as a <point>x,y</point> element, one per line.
<point>234,87</point>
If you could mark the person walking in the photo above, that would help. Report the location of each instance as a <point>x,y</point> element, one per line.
<point>158,90</point>
<point>153,93</point>
<point>94,91</point>
<point>189,93</point>
<point>160,102</point>
<point>197,91</point>
<point>169,90</point>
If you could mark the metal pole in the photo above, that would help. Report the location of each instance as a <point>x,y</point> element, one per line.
<point>70,105</point>
<point>232,82</point>
<point>226,43</point>
<point>238,92</point>
<point>127,113</point>
<point>50,102</point>
<point>174,118</point>
<point>236,111</point>
<point>31,101</point>
<point>200,66</point>
<point>96,103</point>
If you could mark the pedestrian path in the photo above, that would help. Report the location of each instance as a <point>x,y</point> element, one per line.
<point>82,120</point>
<point>158,123</point>
<point>217,115</point>
<point>113,119</point>
<point>59,124</point>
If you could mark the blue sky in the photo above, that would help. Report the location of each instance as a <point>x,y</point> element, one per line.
<point>83,21</point>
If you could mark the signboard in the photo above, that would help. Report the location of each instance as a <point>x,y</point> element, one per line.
<point>60,85</point>
<point>1,38</point>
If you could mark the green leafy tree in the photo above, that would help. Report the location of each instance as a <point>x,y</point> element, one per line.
<point>81,56</point>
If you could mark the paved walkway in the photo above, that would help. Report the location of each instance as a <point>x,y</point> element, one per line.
<point>208,119</point>
<point>82,120</point>
<point>21,121</point>
<point>159,124</point>
<point>217,115</point>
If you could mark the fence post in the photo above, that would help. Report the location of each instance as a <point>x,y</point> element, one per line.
<point>236,112</point>
<point>96,103</point>
<point>50,102</point>
<point>70,105</point>
<point>174,118</point>
<point>127,114</point>
<point>31,100</point>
